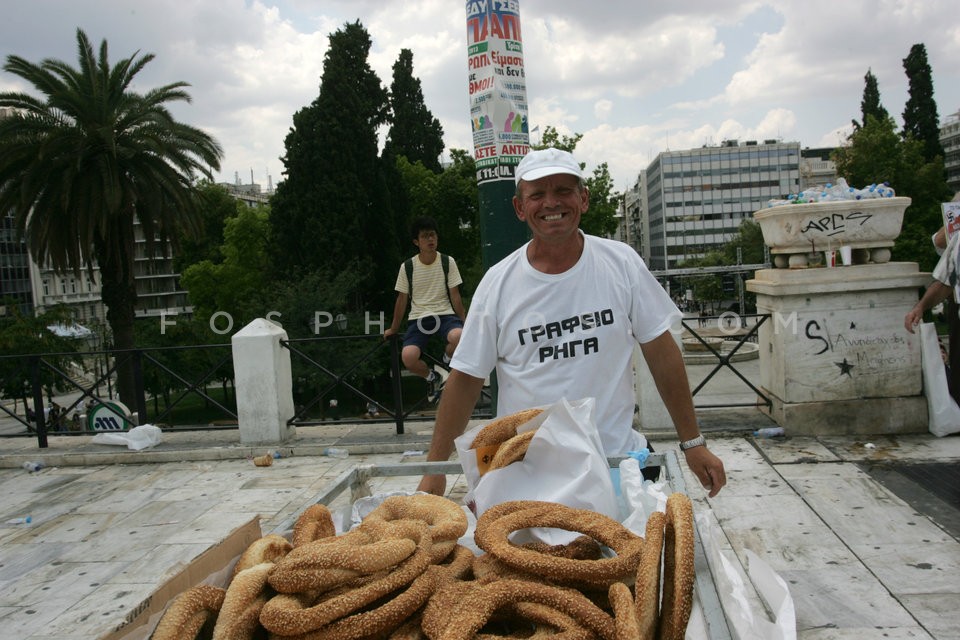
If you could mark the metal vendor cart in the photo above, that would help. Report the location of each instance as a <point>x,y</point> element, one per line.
<point>356,481</point>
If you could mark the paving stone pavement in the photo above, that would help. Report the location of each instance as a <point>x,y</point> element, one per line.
<point>110,525</point>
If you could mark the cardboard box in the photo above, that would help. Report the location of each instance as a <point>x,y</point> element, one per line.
<point>141,621</point>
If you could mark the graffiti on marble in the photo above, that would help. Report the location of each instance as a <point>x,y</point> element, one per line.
<point>836,223</point>
<point>856,352</point>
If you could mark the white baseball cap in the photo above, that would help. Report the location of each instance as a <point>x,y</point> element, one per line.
<point>546,162</point>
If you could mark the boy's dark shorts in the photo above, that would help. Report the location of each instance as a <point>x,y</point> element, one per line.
<point>420,331</point>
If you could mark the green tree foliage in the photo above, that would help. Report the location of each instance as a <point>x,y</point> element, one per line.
<point>875,154</point>
<point>116,155</point>
<point>870,105</point>
<point>215,206</point>
<point>920,119</point>
<point>239,284</point>
<point>414,132</point>
<point>205,361</point>
<point>600,219</point>
<point>308,309</point>
<point>706,287</point>
<point>749,242</point>
<point>21,335</point>
<point>552,138</point>
<point>334,205</point>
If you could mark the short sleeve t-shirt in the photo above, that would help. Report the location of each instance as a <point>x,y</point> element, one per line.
<point>430,292</point>
<point>568,335</point>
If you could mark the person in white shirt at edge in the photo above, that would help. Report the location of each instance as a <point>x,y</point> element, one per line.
<point>558,318</point>
<point>945,287</point>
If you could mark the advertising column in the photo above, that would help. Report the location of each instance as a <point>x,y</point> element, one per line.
<point>498,119</point>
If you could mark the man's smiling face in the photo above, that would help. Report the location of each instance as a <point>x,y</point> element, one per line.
<point>551,206</point>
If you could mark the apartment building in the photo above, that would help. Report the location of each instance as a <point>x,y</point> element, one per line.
<point>950,139</point>
<point>15,261</point>
<point>695,199</point>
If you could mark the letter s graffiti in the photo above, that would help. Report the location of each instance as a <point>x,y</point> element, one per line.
<point>813,324</point>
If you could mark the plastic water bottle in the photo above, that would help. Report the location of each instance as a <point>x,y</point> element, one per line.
<point>769,432</point>
<point>32,466</point>
<point>26,520</point>
<point>334,452</point>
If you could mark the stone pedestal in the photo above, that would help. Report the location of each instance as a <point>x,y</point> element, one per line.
<point>264,383</point>
<point>834,357</point>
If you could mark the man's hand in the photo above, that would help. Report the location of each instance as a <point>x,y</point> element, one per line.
<point>708,468</point>
<point>389,331</point>
<point>436,484</point>
<point>913,318</point>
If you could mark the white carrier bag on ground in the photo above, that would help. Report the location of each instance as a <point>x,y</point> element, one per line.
<point>564,463</point>
<point>944,413</point>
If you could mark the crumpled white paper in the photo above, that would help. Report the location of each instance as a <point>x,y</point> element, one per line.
<point>141,437</point>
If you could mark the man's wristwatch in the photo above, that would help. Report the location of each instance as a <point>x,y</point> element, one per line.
<point>699,441</point>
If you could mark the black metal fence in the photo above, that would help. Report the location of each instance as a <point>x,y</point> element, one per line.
<point>338,379</point>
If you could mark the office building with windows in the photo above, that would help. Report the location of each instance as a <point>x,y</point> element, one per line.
<point>695,199</point>
<point>950,140</point>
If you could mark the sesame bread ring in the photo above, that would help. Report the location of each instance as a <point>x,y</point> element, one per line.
<point>624,612</point>
<point>387,617</point>
<point>502,429</point>
<point>513,450</point>
<point>678,568</point>
<point>313,524</point>
<point>477,605</point>
<point>647,585</point>
<point>492,535</point>
<point>189,612</point>
<point>279,617</point>
<point>269,548</point>
<point>444,517</point>
<point>239,617</point>
<point>320,565</point>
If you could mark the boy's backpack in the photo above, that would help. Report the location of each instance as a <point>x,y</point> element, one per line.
<point>444,262</point>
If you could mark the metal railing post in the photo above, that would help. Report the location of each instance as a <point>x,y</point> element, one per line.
<point>38,411</point>
<point>395,383</point>
<point>138,387</point>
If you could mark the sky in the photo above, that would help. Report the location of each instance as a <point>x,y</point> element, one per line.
<point>634,77</point>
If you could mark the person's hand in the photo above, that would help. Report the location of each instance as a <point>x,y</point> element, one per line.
<point>912,319</point>
<point>435,484</point>
<point>389,332</point>
<point>708,468</point>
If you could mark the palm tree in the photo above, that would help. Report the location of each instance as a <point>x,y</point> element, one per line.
<point>80,163</point>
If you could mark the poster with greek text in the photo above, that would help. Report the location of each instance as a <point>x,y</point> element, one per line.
<point>498,88</point>
<point>951,217</point>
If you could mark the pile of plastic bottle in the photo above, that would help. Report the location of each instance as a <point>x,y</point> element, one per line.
<point>834,192</point>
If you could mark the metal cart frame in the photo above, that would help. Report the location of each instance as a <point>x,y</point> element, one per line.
<point>356,481</point>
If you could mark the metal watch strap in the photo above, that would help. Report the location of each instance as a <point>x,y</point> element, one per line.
<point>699,441</point>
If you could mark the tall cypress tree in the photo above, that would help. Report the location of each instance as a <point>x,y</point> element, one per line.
<point>920,118</point>
<point>870,104</point>
<point>414,133</point>
<point>332,211</point>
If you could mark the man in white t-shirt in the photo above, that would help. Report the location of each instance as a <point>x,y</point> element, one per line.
<point>559,317</point>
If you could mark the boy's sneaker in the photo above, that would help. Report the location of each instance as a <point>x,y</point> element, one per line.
<point>434,384</point>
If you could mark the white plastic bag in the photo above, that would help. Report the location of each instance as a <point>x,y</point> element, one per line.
<point>564,463</point>
<point>142,437</point>
<point>944,414</point>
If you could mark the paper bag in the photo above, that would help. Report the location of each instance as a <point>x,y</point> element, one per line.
<point>564,463</point>
<point>944,415</point>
